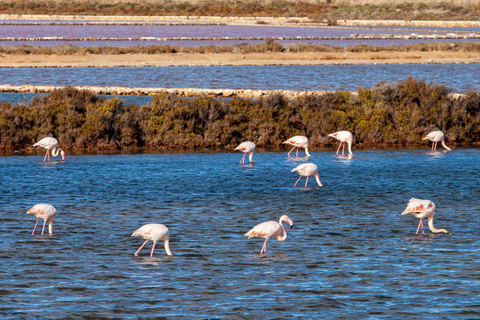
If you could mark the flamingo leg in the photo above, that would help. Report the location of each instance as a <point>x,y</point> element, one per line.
<point>436,146</point>
<point>264,248</point>
<point>44,223</point>
<point>153,249</point>
<point>35,226</point>
<point>306,182</point>
<point>296,155</point>
<point>422,227</point>
<point>297,181</point>
<point>44,159</point>
<point>339,147</point>
<point>136,253</point>
<point>48,152</point>
<point>343,150</point>
<point>243,159</point>
<point>291,151</point>
<point>419,224</point>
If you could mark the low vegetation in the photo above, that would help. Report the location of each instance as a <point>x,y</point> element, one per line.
<point>329,10</point>
<point>387,114</point>
<point>269,45</point>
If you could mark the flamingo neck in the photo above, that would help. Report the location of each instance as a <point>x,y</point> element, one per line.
<point>50,226</point>
<point>250,156</point>
<point>306,151</point>
<point>283,233</point>
<point>318,180</point>
<point>445,146</point>
<point>433,229</point>
<point>350,147</point>
<point>167,247</point>
<point>56,151</point>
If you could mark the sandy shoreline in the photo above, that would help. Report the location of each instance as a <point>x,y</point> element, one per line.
<point>217,59</point>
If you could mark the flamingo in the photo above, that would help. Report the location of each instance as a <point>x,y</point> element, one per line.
<point>298,142</point>
<point>422,209</point>
<point>343,137</point>
<point>269,229</point>
<point>435,137</point>
<point>154,232</point>
<point>46,212</point>
<point>307,170</point>
<point>50,143</point>
<point>246,147</point>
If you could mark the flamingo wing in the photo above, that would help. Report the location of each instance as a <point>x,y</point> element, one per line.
<point>264,230</point>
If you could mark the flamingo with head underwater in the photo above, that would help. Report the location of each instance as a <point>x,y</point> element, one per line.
<point>422,209</point>
<point>50,143</point>
<point>343,137</point>
<point>307,170</point>
<point>298,142</point>
<point>46,212</point>
<point>246,147</point>
<point>269,229</point>
<point>435,137</point>
<point>155,232</point>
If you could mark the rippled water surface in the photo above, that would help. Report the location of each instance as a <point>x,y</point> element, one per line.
<point>351,254</point>
<point>460,77</point>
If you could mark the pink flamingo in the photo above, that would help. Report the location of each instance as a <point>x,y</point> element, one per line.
<point>435,137</point>
<point>46,212</point>
<point>307,170</point>
<point>155,232</point>
<point>343,137</point>
<point>269,229</point>
<point>298,142</point>
<point>246,147</point>
<point>422,209</point>
<point>50,143</point>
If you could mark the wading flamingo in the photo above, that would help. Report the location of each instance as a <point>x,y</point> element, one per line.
<point>46,212</point>
<point>269,229</point>
<point>155,232</point>
<point>298,142</point>
<point>435,137</point>
<point>50,143</point>
<point>343,137</point>
<point>422,209</point>
<point>246,147</point>
<point>307,170</point>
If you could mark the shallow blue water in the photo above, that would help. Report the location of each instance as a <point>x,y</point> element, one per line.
<point>351,254</point>
<point>460,77</point>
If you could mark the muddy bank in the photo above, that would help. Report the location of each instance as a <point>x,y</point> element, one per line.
<point>216,59</point>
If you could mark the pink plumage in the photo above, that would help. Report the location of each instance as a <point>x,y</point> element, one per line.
<point>50,143</point>
<point>343,137</point>
<point>154,232</point>
<point>46,212</point>
<point>270,229</point>
<point>436,137</point>
<point>422,209</point>
<point>298,142</point>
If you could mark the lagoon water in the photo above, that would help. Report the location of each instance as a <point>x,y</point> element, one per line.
<point>460,77</point>
<point>351,254</point>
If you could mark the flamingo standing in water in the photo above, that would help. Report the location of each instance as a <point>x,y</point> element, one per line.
<point>246,147</point>
<point>50,143</point>
<point>46,212</point>
<point>155,232</point>
<point>307,170</point>
<point>343,137</point>
<point>298,142</point>
<point>435,137</point>
<point>269,229</point>
<point>422,209</point>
